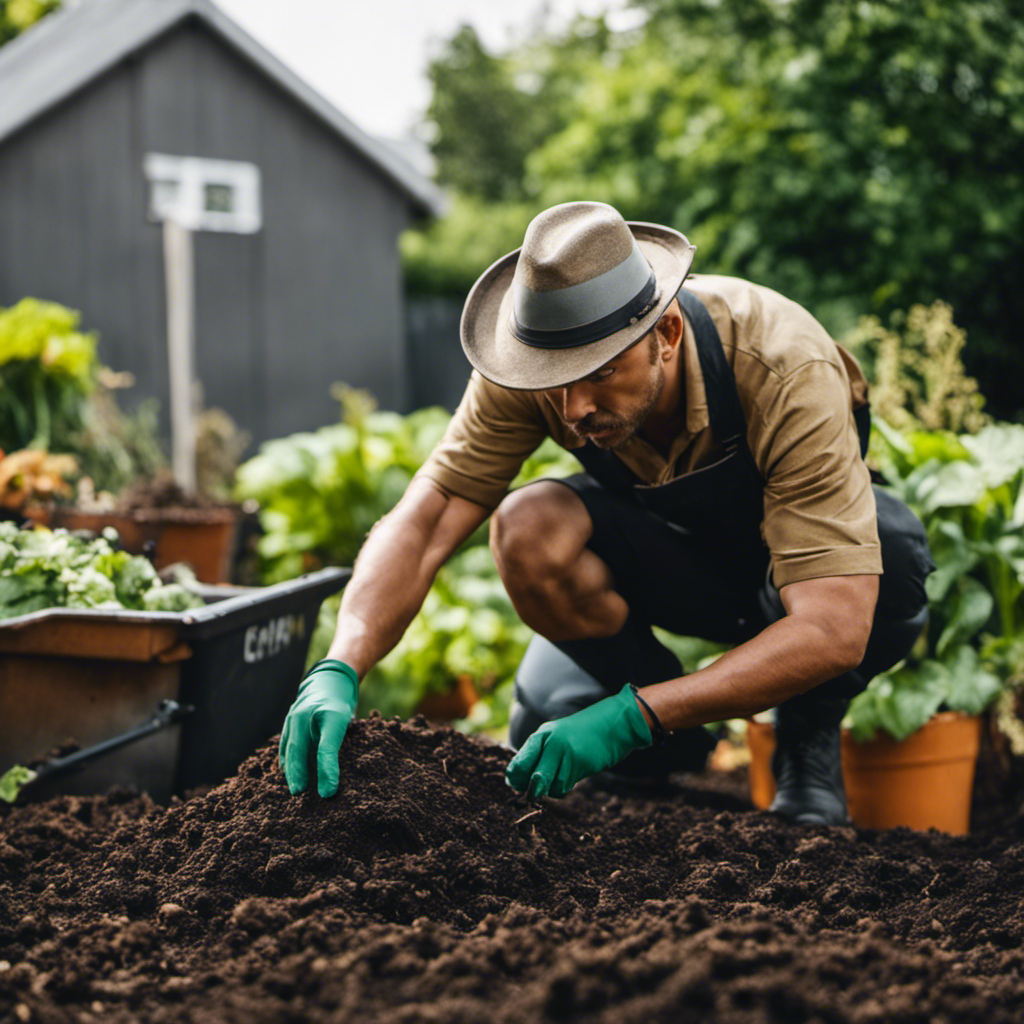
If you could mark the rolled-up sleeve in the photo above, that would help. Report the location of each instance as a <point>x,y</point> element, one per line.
<point>819,509</point>
<point>491,434</point>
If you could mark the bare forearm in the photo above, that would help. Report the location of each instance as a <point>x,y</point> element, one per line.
<point>394,571</point>
<point>387,588</point>
<point>786,659</point>
<point>823,636</point>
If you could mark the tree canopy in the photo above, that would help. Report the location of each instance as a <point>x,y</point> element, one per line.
<point>859,157</point>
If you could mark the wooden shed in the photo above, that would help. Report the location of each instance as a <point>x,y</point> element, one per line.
<point>111,109</point>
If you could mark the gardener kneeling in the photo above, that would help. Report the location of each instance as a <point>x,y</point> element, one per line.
<point>725,496</point>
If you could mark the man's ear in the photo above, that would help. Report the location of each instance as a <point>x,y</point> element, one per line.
<point>670,330</point>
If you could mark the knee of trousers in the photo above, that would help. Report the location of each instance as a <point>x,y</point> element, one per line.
<point>548,685</point>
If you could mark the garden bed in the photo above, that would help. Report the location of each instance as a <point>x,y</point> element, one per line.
<point>429,891</point>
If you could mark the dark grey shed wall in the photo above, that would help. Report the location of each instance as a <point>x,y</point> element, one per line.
<point>438,368</point>
<point>313,298</point>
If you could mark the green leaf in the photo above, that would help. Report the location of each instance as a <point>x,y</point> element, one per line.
<point>12,781</point>
<point>972,609</point>
<point>955,484</point>
<point>899,702</point>
<point>916,696</point>
<point>971,686</point>
<point>999,452</point>
<point>954,557</point>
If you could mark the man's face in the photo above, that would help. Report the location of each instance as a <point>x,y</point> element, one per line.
<point>610,405</point>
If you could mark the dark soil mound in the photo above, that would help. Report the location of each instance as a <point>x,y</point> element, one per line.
<point>430,891</point>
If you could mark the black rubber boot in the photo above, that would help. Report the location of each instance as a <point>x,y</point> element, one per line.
<point>806,764</point>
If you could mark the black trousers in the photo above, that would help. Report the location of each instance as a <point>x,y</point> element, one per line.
<point>695,586</point>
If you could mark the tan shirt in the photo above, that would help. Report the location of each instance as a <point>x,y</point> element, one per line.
<point>797,388</point>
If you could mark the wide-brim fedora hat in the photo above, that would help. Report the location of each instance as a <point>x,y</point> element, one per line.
<point>585,286</point>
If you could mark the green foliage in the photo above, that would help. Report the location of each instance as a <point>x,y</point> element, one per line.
<point>488,128</point>
<point>115,448</point>
<point>44,568</point>
<point>321,492</point>
<point>917,372</point>
<point>47,368</point>
<point>319,495</point>
<point>467,626</point>
<point>968,491</point>
<point>12,781</point>
<point>490,112</point>
<point>18,15</point>
<point>447,256</point>
<point>54,395</point>
<point>903,700</point>
<point>857,157</point>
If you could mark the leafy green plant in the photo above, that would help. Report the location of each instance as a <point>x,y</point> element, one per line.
<point>467,626</point>
<point>12,781</point>
<point>901,701</point>
<point>319,495</point>
<point>55,396</point>
<point>968,491</point>
<point>320,492</point>
<point>917,372</point>
<point>47,368</point>
<point>41,568</point>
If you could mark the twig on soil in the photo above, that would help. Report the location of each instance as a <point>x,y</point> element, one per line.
<point>530,815</point>
<point>444,765</point>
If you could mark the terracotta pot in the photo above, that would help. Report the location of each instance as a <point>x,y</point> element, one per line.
<point>448,705</point>
<point>922,782</point>
<point>202,538</point>
<point>761,741</point>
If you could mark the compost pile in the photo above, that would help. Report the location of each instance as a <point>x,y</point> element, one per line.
<point>430,891</point>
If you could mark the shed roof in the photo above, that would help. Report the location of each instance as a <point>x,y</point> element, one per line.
<point>64,51</point>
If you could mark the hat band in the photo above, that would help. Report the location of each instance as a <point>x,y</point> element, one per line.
<point>572,337</point>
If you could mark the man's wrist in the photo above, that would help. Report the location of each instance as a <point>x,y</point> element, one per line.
<point>658,732</point>
<point>333,665</point>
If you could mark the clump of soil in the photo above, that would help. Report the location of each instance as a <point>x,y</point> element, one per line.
<point>427,890</point>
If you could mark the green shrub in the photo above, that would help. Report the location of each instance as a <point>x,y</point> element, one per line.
<point>55,396</point>
<point>968,491</point>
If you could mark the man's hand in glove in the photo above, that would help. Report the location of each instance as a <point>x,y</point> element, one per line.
<point>320,715</point>
<point>562,752</point>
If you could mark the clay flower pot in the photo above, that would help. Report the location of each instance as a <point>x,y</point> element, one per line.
<point>761,742</point>
<point>921,782</point>
<point>203,538</point>
<point>448,705</point>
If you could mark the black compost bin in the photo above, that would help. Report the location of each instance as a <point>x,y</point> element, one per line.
<point>89,674</point>
<point>248,655</point>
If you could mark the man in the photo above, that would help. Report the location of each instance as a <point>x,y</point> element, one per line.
<point>725,496</point>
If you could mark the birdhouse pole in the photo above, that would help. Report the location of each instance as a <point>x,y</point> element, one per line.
<point>179,269</point>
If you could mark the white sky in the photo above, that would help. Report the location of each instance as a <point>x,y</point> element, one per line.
<point>369,57</point>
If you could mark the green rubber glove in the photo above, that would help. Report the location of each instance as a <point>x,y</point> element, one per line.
<point>320,715</point>
<point>562,752</point>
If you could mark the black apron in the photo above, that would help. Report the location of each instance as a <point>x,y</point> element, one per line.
<point>720,509</point>
<point>723,502</point>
